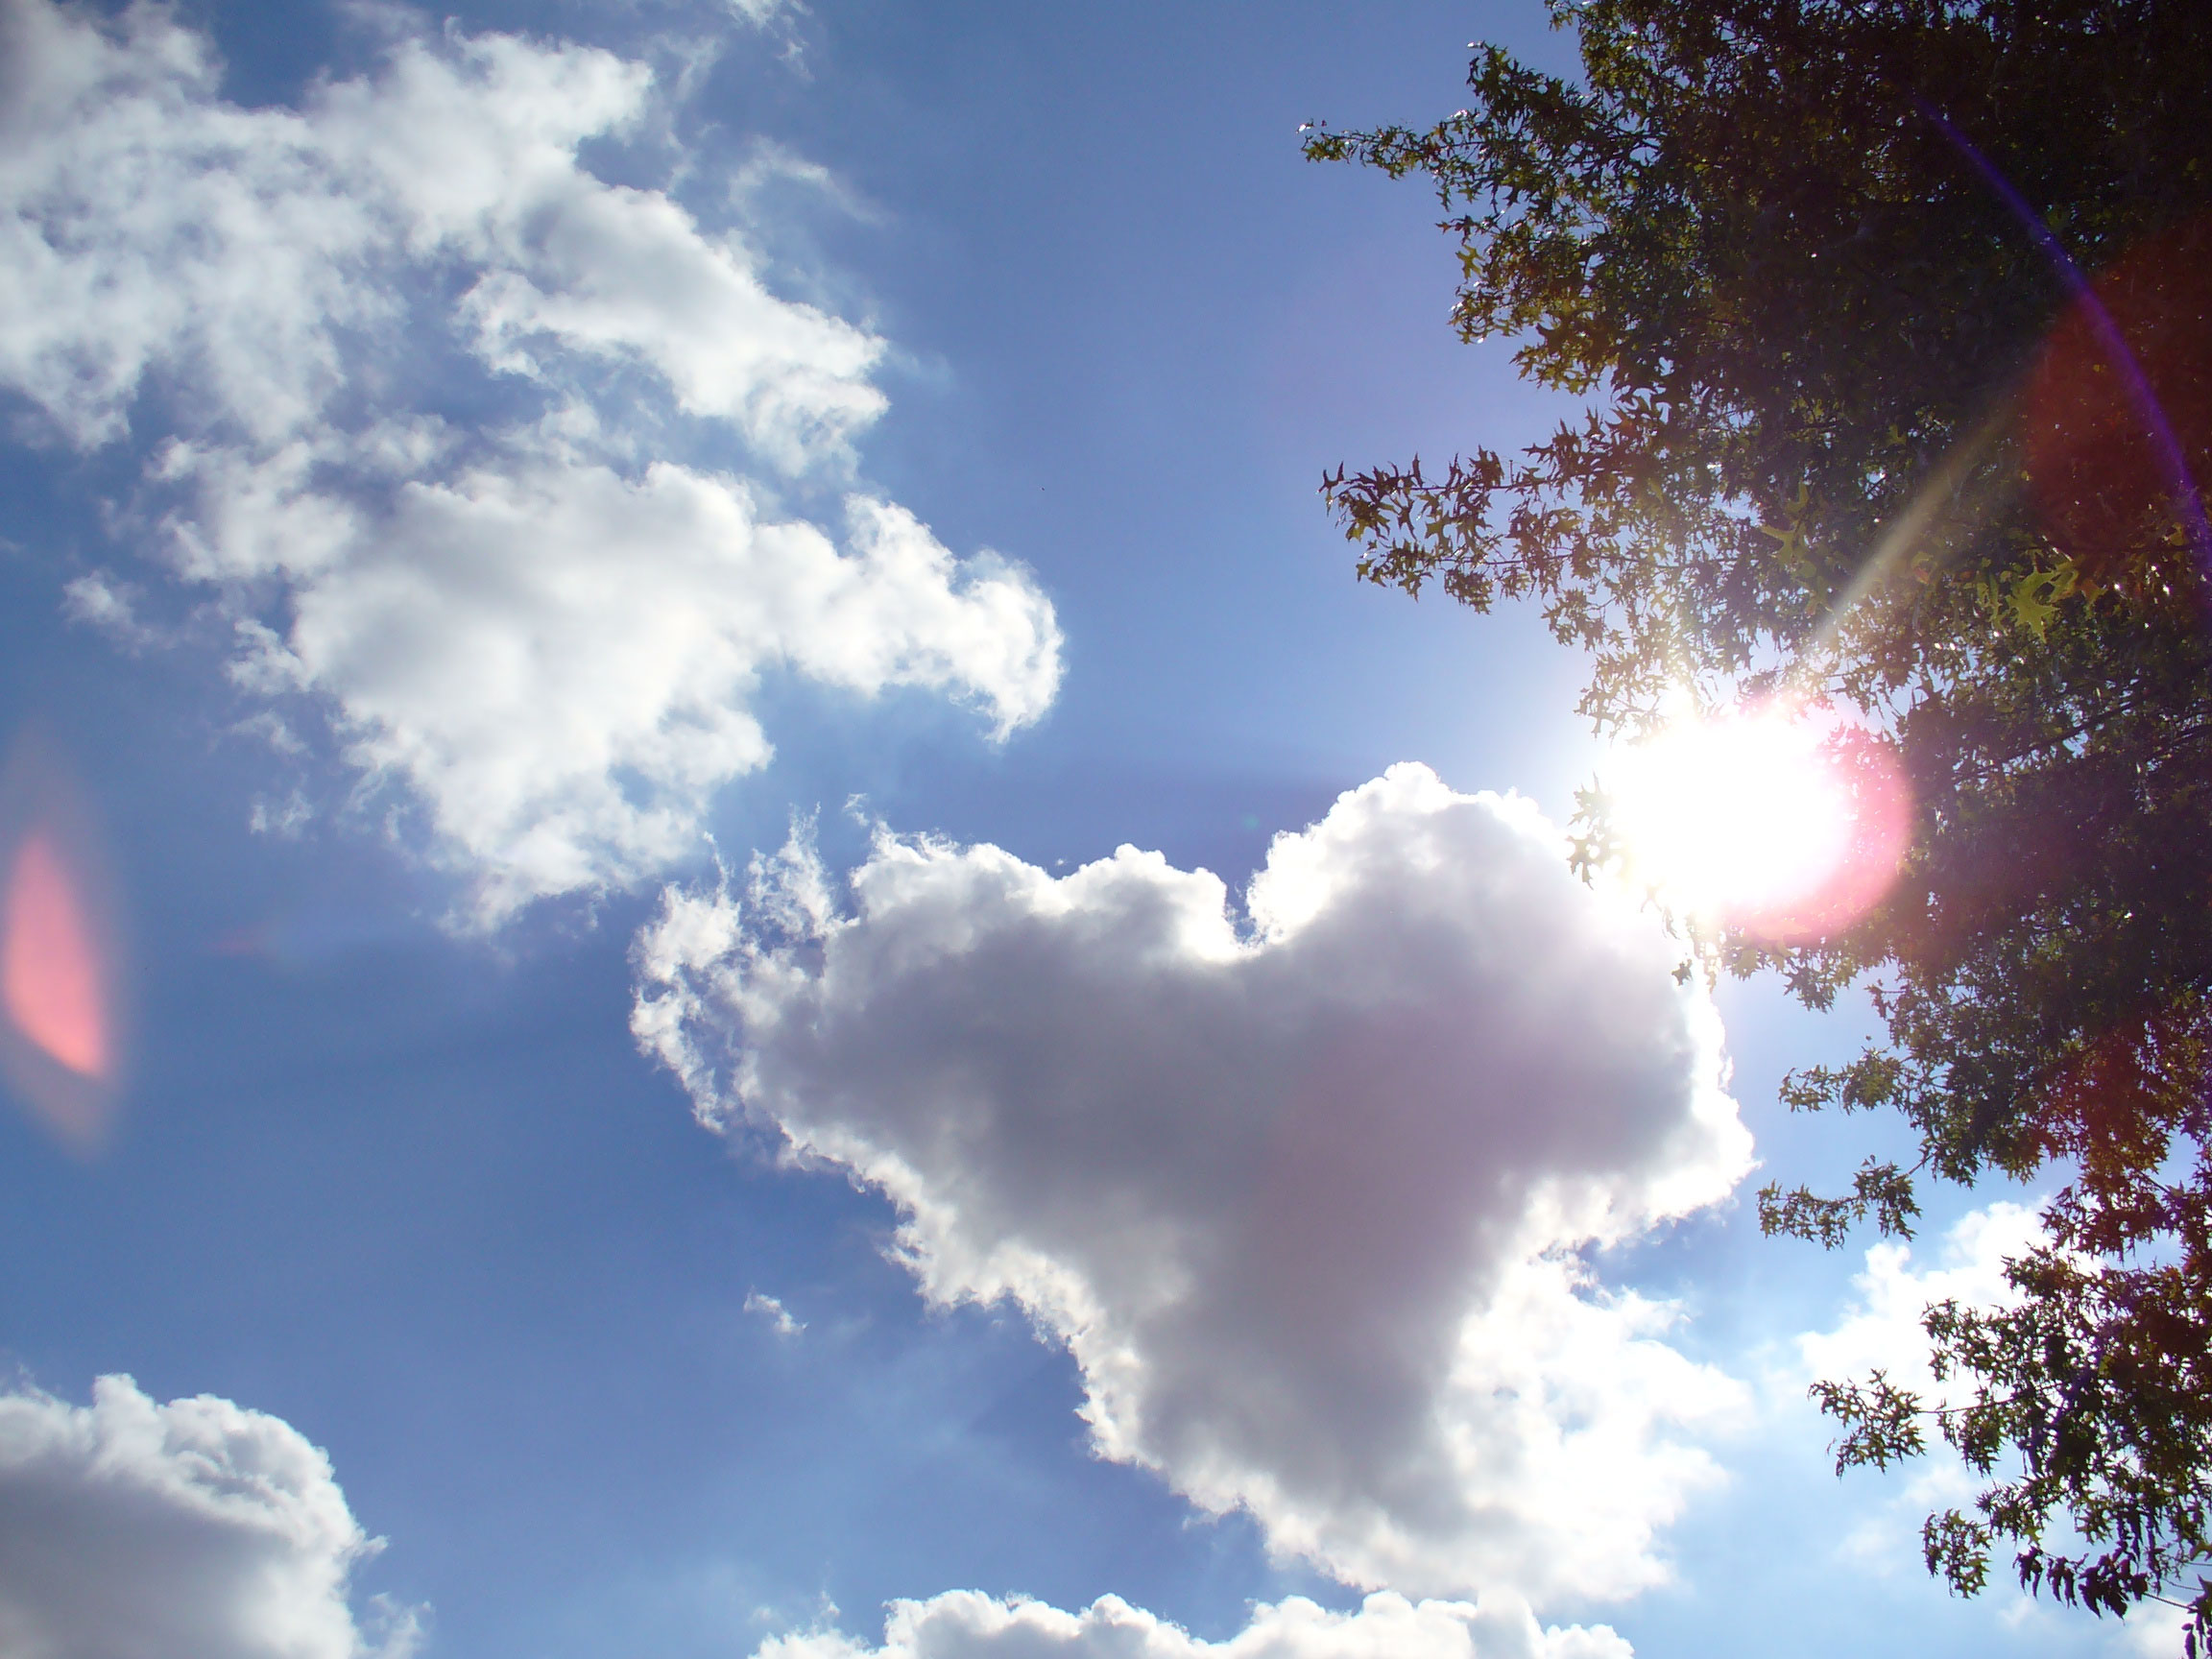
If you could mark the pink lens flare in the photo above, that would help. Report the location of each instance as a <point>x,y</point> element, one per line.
<point>1785,822</point>
<point>52,980</point>
<point>2093,323</point>
<point>61,1007</point>
<point>2097,467</point>
<point>1866,789</point>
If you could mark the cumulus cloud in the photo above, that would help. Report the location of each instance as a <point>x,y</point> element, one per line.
<point>523,638</point>
<point>1882,1329</point>
<point>967,1624</point>
<point>1308,1200</point>
<point>548,627</point>
<point>192,1531</point>
<point>150,224</point>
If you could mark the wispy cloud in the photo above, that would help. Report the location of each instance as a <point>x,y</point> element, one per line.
<point>772,1310</point>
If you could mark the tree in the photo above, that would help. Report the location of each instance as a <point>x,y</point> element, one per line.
<point>1857,424</point>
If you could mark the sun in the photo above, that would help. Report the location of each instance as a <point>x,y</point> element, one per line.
<point>1782,820</point>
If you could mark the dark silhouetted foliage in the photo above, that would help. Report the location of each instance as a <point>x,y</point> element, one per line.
<point>1853,429</point>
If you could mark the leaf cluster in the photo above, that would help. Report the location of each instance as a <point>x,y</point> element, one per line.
<point>1784,294</point>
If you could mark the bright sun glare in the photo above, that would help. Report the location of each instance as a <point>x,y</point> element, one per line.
<point>1773,821</point>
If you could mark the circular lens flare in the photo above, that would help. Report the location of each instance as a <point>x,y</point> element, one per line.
<point>1784,822</point>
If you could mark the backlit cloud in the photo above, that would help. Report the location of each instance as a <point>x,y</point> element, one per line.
<point>1307,1202</point>
<point>192,1531</point>
<point>547,624</point>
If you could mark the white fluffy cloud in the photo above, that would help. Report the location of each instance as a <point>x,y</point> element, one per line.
<point>149,224</point>
<point>967,1624</point>
<point>1307,1202</point>
<point>520,637</point>
<point>549,629</point>
<point>1882,1330</point>
<point>192,1531</point>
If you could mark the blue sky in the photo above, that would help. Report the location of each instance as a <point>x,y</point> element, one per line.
<point>429,548</point>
